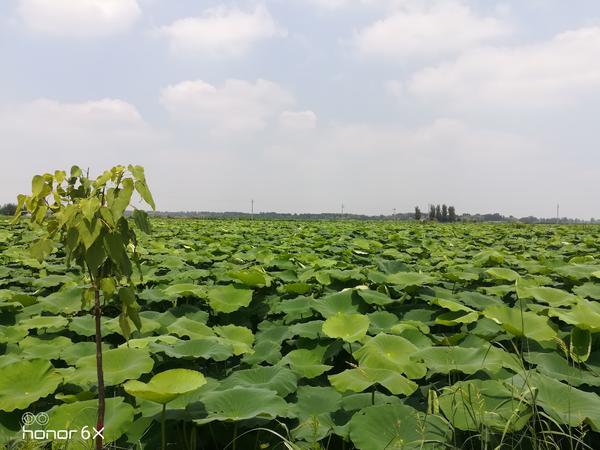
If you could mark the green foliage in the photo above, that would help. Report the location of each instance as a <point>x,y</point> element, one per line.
<point>313,335</point>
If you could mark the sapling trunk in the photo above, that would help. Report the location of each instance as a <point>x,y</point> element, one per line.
<point>99,370</point>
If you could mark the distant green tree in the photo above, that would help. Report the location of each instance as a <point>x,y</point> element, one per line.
<point>8,209</point>
<point>444,213</point>
<point>417,213</point>
<point>431,212</point>
<point>451,214</point>
<point>438,213</point>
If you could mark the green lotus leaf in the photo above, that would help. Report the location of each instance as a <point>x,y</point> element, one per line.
<point>563,403</point>
<point>253,277</point>
<point>306,363</point>
<point>409,279</point>
<point>119,364</point>
<point>471,405</point>
<point>296,288</point>
<point>77,415</point>
<point>397,427</point>
<point>76,351</point>
<point>375,297</point>
<point>386,351</point>
<point>349,327</point>
<point>207,348</point>
<point>451,318</point>
<point>24,382</point>
<point>345,302</point>
<point>278,379</point>
<point>313,410</point>
<point>450,305</point>
<point>176,291</point>
<point>580,345</point>
<point>48,323</point>
<point>193,329</point>
<point>590,290</point>
<point>34,347</point>
<point>166,386</point>
<point>227,299</point>
<point>548,295</point>
<point>555,366</point>
<point>240,338</point>
<point>361,378</point>
<point>584,315</point>
<point>467,360</point>
<point>241,403</point>
<point>12,334</point>
<point>521,323</point>
<point>65,301</point>
<point>502,273</point>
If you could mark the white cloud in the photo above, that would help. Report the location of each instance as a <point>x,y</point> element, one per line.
<point>79,18</point>
<point>221,31</point>
<point>236,105</point>
<point>46,134</point>
<point>426,31</point>
<point>298,120</point>
<point>556,73</point>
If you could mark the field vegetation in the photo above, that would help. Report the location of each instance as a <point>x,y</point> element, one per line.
<point>310,335</point>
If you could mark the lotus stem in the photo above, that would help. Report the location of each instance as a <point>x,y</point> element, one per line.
<point>162,427</point>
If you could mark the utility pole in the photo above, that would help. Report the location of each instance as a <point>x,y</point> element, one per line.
<point>342,210</point>
<point>394,215</point>
<point>252,209</point>
<point>557,212</point>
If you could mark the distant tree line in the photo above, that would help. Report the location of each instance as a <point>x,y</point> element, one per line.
<point>8,209</point>
<point>441,213</point>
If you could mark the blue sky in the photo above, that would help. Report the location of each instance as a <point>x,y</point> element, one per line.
<point>305,104</point>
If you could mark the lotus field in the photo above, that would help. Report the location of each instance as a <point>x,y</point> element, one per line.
<point>311,335</point>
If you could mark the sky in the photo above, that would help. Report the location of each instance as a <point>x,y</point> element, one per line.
<point>303,105</point>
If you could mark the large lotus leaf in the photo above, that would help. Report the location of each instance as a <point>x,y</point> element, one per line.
<point>146,341</point>
<point>557,367</point>
<point>148,326</point>
<point>227,299</point>
<point>451,318</point>
<point>349,327</point>
<point>469,405</point>
<point>590,290</point>
<point>577,272</point>
<point>313,410</point>
<point>119,364</point>
<point>252,277</point>
<point>240,338</point>
<point>374,297</point>
<point>344,302</point>
<point>24,382</point>
<point>279,379</point>
<point>12,334</point>
<point>207,348</point>
<point>193,329</point>
<point>409,279</point>
<point>386,351</point>
<point>521,323</point>
<point>450,305</point>
<point>306,363</point>
<point>75,416</point>
<point>52,281</point>
<point>166,386</point>
<point>35,347</point>
<point>241,403</point>
<point>65,301</point>
<point>466,360</point>
<point>397,427</point>
<point>548,295</point>
<point>309,330</point>
<point>361,378</point>
<point>502,273</point>
<point>76,351</point>
<point>563,403</point>
<point>584,315</point>
<point>48,323</point>
<point>176,291</point>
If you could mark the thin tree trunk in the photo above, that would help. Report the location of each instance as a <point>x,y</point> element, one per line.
<point>99,370</point>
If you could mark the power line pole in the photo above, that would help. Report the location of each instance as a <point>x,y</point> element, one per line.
<point>342,210</point>
<point>252,209</point>
<point>557,212</point>
<point>394,215</point>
